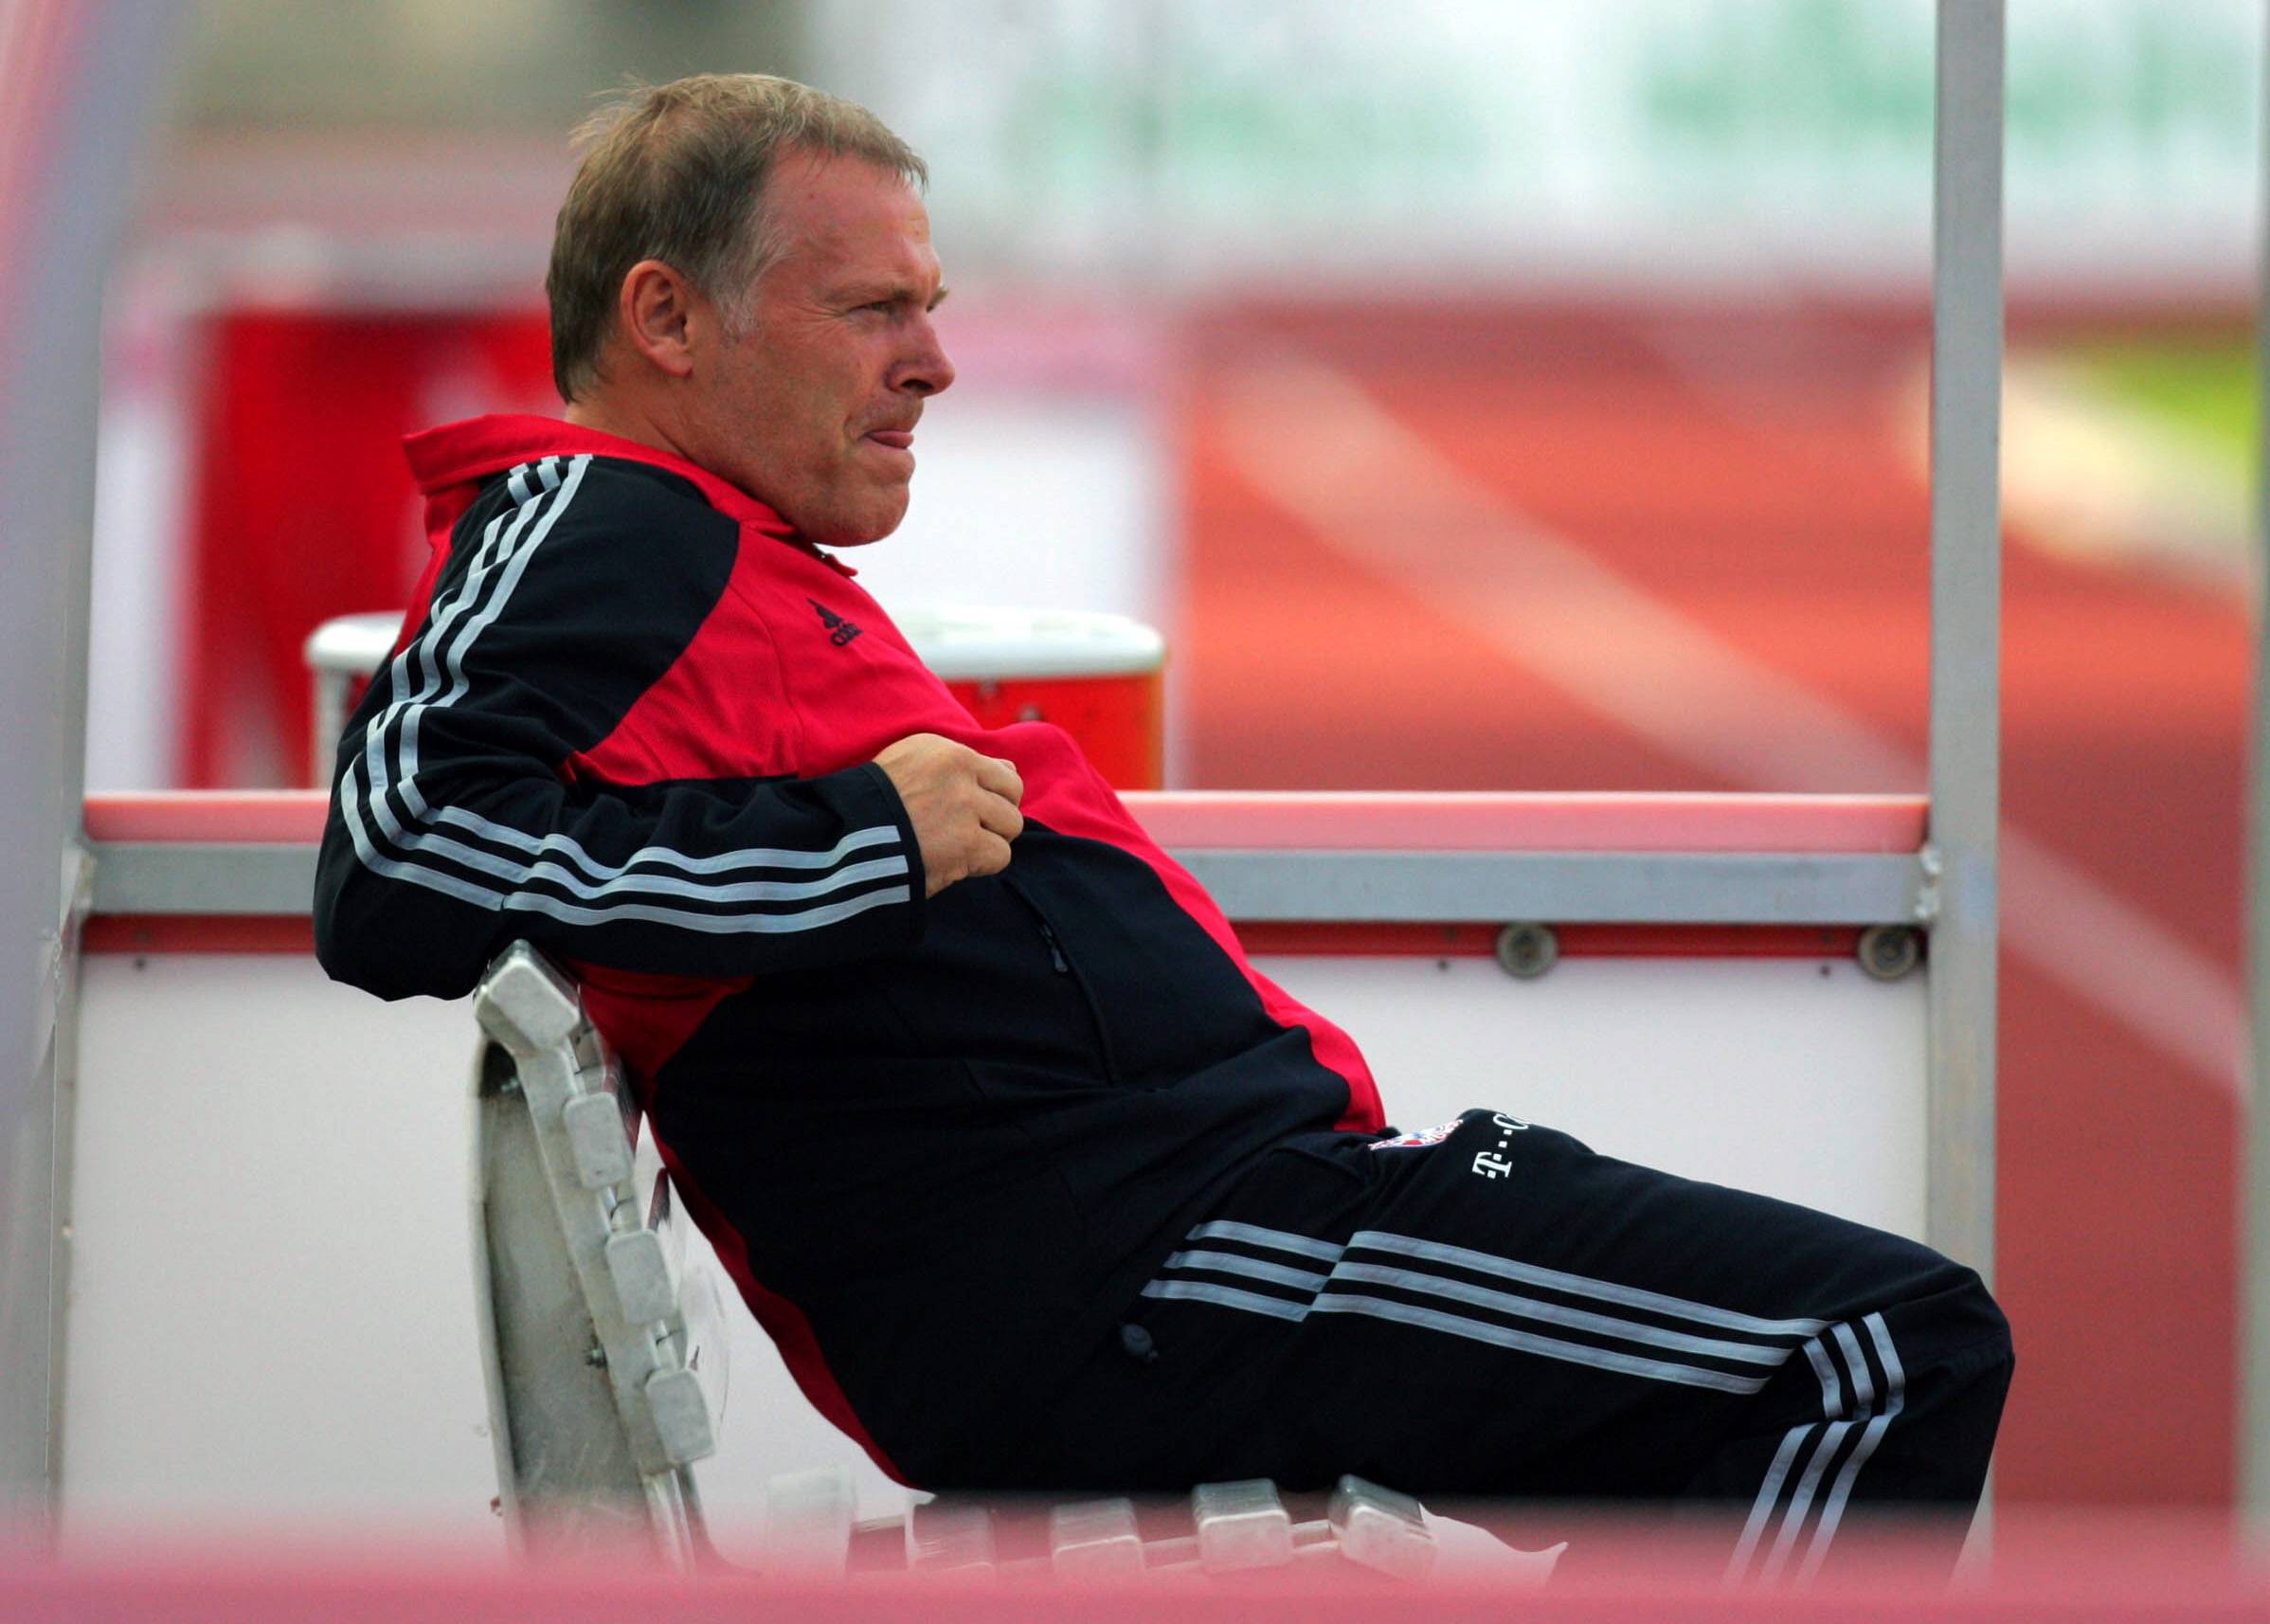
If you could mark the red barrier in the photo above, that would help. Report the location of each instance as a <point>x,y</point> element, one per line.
<point>2092,1573</point>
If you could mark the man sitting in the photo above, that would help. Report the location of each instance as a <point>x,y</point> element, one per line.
<point>1034,1179</point>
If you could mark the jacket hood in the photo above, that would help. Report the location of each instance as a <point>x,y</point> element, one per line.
<point>459,453</point>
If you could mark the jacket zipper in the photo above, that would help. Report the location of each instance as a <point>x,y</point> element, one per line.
<point>1063,965</point>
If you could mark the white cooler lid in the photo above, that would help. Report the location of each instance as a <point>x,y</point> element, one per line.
<point>964,643</point>
<point>351,645</point>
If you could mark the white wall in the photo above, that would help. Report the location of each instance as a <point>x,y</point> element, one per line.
<point>271,1305</point>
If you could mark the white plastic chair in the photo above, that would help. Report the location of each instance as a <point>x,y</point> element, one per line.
<point>605,1358</point>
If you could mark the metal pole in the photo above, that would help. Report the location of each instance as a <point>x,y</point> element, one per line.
<point>2255,1258</point>
<point>1966,623</point>
<point>79,78</point>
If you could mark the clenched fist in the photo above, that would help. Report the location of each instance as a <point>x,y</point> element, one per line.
<point>963,806</point>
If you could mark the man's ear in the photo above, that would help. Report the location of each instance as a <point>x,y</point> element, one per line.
<point>656,312</point>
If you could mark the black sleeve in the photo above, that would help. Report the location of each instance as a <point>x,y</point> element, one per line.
<point>453,830</point>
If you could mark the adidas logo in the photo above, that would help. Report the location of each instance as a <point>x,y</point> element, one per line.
<point>841,631</point>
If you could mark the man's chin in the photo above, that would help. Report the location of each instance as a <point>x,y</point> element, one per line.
<point>857,529</point>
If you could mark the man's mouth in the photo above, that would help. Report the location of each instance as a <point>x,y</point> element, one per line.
<point>897,439</point>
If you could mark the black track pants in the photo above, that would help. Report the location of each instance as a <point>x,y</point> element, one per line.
<point>1503,1313</point>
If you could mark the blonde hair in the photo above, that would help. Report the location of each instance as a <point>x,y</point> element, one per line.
<point>676,172</point>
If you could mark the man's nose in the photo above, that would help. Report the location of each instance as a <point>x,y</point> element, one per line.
<point>926,369</point>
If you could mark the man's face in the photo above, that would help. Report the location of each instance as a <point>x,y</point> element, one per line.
<point>810,402</point>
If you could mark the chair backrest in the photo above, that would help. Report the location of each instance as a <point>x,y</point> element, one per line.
<point>604,1355</point>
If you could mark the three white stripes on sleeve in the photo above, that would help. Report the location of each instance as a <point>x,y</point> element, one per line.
<point>597,892</point>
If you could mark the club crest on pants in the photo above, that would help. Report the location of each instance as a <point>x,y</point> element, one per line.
<point>1434,1135</point>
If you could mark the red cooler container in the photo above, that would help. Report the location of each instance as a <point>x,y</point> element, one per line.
<point>1095,676</point>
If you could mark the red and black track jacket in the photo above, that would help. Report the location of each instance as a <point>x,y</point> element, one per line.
<point>632,718</point>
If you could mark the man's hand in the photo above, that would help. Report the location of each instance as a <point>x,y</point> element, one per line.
<point>963,806</point>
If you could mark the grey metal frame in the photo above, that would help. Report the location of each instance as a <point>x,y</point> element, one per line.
<point>230,878</point>
<point>1638,887</point>
<point>1951,885</point>
<point>1966,624</point>
<point>117,58</point>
